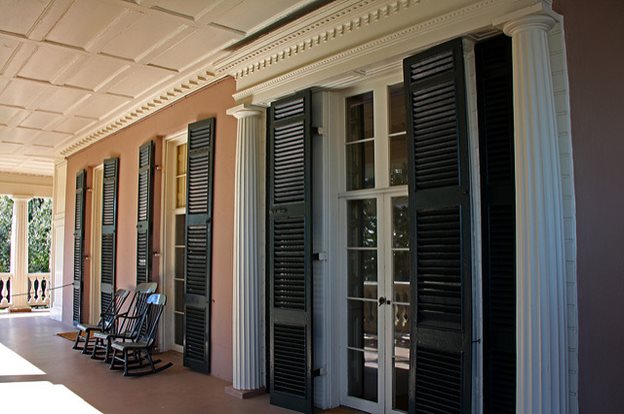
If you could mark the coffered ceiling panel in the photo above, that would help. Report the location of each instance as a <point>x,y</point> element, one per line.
<point>49,139</point>
<point>39,120</point>
<point>246,14</point>
<point>91,73</point>
<point>62,100</point>
<point>7,47</point>
<point>100,105</point>
<point>190,8</point>
<point>17,135</point>
<point>136,81</point>
<point>7,114</point>
<point>9,148</point>
<point>185,53</point>
<point>72,71</point>
<point>21,93</point>
<point>45,64</point>
<point>73,124</point>
<point>139,37</point>
<point>84,21</point>
<point>19,16</point>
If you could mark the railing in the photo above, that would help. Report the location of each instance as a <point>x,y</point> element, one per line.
<point>5,289</point>
<point>32,290</point>
<point>38,293</point>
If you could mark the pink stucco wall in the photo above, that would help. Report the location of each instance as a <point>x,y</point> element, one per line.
<point>208,102</point>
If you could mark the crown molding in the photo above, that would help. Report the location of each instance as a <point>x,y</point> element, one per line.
<point>346,38</point>
<point>155,102</point>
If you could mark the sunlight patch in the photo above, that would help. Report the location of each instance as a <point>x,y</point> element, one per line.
<point>56,398</point>
<point>14,364</point>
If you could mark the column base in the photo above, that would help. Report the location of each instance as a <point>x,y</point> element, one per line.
<point>243,394</point>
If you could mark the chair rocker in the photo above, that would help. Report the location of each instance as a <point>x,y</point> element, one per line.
<point>105,324</point>
<point>140,348</point>
<point>127,324</point>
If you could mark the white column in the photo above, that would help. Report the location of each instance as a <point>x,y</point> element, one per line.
<point>19,250</point>
<point>541,306</point>
<point>247,359</point>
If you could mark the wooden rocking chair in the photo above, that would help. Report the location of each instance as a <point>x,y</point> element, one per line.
<point>140,348</point>
<point>127,324</point>
<point>105,324</point>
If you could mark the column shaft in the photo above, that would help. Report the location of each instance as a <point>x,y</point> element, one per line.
<point>247,368</point>
<point>19,250</point>
<point>540,312</point>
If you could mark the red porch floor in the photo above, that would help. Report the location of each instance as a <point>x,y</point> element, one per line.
<point>176,390</point>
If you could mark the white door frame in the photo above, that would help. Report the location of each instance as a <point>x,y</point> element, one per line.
<point>97,185</point>
<point>167,225</point>
<point>383,196</point>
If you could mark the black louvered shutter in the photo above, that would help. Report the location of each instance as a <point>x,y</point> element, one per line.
<point>496,132</point>
<point>198,260</point>
<point>289,189</point>
<point>440,231</point>
<point>144,213</point>
<point>109,231</point>
<point>79,215</point>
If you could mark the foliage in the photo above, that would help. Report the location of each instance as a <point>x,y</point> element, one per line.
<point>39,234</point>
<point>6,219</point>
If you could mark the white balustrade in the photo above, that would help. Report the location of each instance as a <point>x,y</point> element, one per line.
<point>38,289</point>
<point>5,289</point>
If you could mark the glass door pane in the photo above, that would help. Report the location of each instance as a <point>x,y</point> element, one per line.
<point>362,339</point>
<point>400,305</point>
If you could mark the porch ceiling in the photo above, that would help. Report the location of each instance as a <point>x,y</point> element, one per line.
<point>72,71</point>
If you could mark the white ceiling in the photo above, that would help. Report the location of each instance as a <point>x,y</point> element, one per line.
<point>71,67</point>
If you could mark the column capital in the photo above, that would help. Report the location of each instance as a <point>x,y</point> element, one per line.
<point>542,22</point>
<point>245,110</point>
<point>21,197</point>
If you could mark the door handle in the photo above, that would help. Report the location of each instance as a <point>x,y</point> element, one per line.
<point>383,301</point>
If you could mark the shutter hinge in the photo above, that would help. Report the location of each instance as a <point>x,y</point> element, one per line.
<point>319,371</point>
<point>319,256</point>
<point>318,131</point>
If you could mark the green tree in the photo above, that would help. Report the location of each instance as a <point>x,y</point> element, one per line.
<point>39,234</point>
<point>6,221</point>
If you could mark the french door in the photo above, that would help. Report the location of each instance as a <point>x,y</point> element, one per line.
<point>374,208</point>
<point>378,302</point>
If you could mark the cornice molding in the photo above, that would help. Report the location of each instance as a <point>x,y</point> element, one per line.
<point>301,36</point>
<point>383,14</point>
<point>5,173</point>
<point>151,105</point>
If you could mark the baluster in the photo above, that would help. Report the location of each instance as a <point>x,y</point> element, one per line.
<point>4,294</point>
<point>45,290</point>
<point>31,291</point>
<point>39,298</point>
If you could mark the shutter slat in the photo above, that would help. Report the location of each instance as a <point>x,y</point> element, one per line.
<point>79,216</point>
<point>289,252</point>
<point>440,361</point>
<point>495,109</point>
<point>108,243</point>
<point>198,242</point>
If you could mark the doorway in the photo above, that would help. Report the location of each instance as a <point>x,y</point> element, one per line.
<point>375,249</point>
<point>174,227</point>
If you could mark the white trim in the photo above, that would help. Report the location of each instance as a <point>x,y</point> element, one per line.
<point>167,236</point>
<point>58,237</point>
<point>97,186</point>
